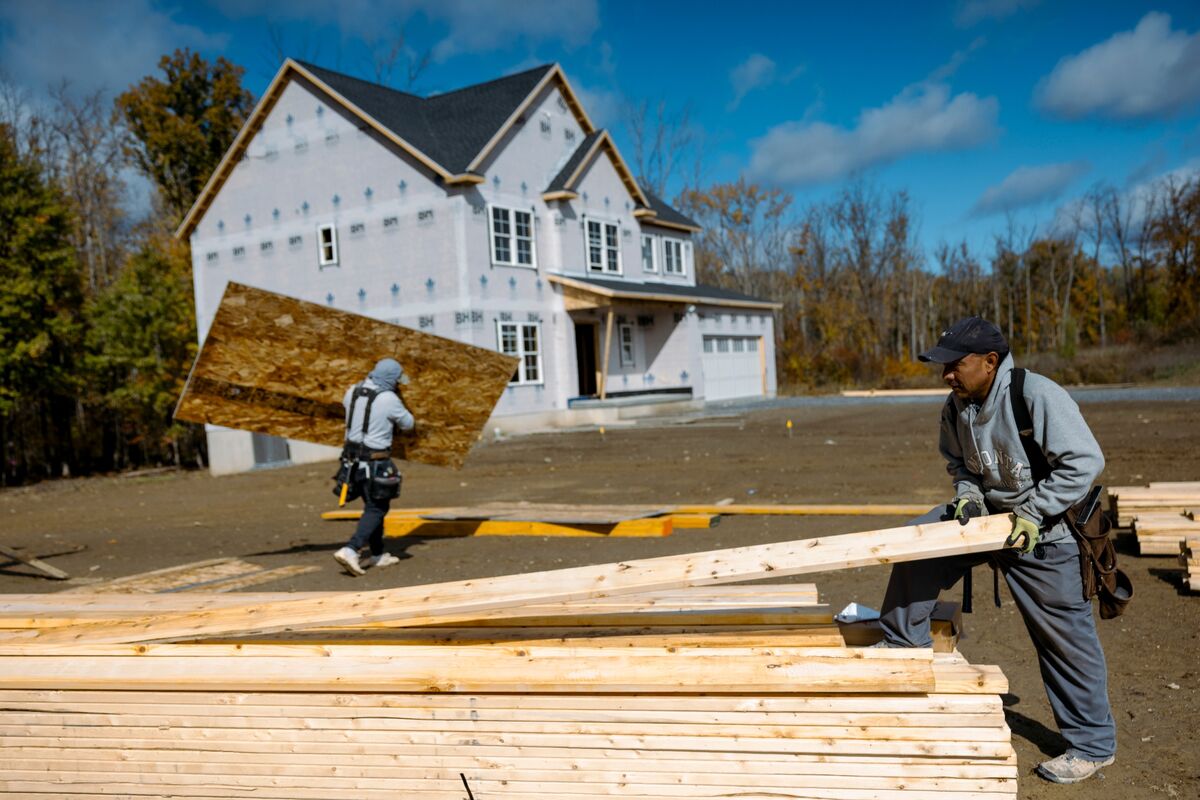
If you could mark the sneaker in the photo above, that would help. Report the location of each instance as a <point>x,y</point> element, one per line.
<point>1070,768</point>
<point>348,558</point>
<point>886,644</point>
<point>381,560</point>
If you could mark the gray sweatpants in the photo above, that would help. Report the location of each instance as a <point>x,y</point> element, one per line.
<point>1048,591</point>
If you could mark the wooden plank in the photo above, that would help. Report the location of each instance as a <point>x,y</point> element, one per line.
<point>479,671</point>
<point>33,561</point>
<point>277,365</point>
<point>450,602</point>
<point>558,513</point>
<point>812,509</point>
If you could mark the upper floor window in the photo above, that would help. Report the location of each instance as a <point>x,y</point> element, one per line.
<point>603,247</point>
<point>649,254</point>
<point>672,257</point>
<point>327,249</point>
<point>523,340</point>
<point>512,237</point>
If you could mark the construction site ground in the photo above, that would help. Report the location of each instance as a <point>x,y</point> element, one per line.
<point>837,453</point>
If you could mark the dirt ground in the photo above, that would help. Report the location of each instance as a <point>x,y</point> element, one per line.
<point>839,453</point>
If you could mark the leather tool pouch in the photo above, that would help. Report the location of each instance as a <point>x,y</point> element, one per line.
<point>1102,578</point>
<point>345,475</point>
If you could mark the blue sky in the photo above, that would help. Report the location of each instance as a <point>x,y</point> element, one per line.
<point>979,108</point>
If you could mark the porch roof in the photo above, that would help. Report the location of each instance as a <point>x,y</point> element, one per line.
<point>589,292</point>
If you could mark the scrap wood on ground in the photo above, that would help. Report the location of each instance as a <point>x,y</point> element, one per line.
<point>636,686</point>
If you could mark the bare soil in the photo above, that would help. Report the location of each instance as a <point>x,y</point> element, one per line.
<point>844,454</point>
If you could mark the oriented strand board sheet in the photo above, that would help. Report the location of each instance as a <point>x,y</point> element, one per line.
<point>278,365</point>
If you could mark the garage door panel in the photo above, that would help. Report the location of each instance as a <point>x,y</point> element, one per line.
<point>732,367</point>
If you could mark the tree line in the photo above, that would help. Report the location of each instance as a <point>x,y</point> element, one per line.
<point>861,295</point>
<point>97,323</point>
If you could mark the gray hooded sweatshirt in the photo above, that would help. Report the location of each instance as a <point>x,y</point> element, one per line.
<point>986,459</point>
<point>387,410</point>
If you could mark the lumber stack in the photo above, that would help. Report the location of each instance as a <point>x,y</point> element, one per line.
<point>1160,533</point>
<point>1127,503</point>
<point>1189,557</point>
<point>615,710</point>
<point>641,679</point>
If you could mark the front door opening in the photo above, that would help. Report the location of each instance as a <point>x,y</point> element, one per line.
<point>585,357</point>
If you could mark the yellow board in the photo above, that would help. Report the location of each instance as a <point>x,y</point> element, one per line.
<point>277,365</point>
<point>653,526</point>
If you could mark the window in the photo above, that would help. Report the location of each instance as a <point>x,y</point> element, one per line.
<point>522,339</point>
<point>723,345</point>
<point>327,253</point>
<point>603,248</point>
<point>708,344</point>
<point>512,237</point>
<point>625,336</point>
<point>649,254</point>
<point>739,345</point>
<point>672,257</point>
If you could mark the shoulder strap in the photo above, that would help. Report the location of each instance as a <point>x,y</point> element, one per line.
<point>1038,465</point>
<point>370,394</point>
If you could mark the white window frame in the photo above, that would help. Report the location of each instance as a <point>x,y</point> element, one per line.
<point>521,376</point>
<point>671,243</point>
<point>603,266</point>
<point>327,251</point>
<point>625,345</point>
<point>512,237</point>
<point>652,240</point>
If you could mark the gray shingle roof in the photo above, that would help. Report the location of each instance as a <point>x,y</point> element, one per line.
<point>684,293</point>
<point>450,128</point>
<point>560,180</point>
<point>665,211</point>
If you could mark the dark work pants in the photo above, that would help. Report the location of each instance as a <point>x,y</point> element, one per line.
<point>370,524</point>
<point>1048,592</point>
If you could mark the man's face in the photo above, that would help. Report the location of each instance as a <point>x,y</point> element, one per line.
<point>970,378</point>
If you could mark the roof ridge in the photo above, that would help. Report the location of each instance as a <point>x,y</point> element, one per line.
<point>523,73</point>
<point>348,76</point>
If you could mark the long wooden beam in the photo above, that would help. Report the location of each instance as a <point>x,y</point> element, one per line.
<point>455,601</point>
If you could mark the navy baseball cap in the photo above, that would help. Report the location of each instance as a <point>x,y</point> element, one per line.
<point>968,335</point>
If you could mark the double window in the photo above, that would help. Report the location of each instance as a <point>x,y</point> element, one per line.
<point>523,340</point>
<point>327,249</point>
<point>603,247</point>
<point>512,237</point>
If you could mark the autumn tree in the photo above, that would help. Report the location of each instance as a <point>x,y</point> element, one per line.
<point>180,125</point>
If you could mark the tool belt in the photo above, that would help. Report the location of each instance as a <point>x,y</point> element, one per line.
<point>354,451</point>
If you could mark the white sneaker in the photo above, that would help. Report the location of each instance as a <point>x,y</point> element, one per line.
<point>348,558</point>
<point>381,560</point>
<point>1070,768</point>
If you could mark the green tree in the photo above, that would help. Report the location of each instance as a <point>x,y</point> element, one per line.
<point>141,343</point>
<point>41,298</point>
<point>180,126</point>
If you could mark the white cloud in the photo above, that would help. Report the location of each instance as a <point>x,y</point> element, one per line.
<point>753,73</point>
<point>972,12</point>
<point>606,108</point>
<point>473,26</point>
<point>922,118</point>
<point>94,45</point>
<point>1149,72</point>
<point>1027,186</point>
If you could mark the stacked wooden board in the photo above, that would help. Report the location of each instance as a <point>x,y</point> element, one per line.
<point>1127,503</point>
<point>1159,533</point>
<point>1189,557</point>
<point>655,686</point>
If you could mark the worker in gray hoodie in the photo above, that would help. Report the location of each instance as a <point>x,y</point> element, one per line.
<point>373,411</point>
<point>988,465</point>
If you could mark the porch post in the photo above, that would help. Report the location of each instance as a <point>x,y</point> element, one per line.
<point>608,325</point>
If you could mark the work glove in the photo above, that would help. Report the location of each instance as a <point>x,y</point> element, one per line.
<point>1023,528</point>
<point>966,509</point>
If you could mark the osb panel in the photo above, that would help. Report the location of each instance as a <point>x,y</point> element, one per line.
<point>278,365</point>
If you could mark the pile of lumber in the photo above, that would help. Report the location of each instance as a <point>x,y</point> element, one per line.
<point>660,684</point>
<point>1159,533</point>
<point>1128,503</point>
<point>1189,557</point>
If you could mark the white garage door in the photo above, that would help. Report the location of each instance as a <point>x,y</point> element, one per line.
<point>733,367</point>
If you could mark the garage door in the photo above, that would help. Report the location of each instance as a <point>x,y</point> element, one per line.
<point>733,367</point>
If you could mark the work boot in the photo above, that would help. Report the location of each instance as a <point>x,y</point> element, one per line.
<point>1070,768</point>
<point>348,558</point>
<point>381,560</point>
